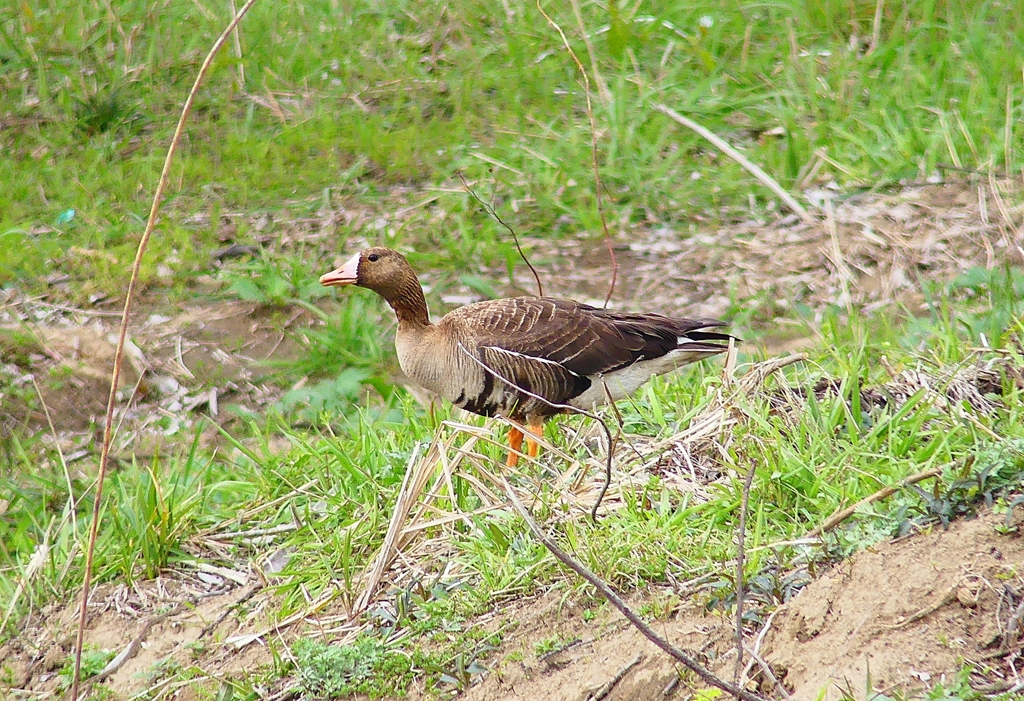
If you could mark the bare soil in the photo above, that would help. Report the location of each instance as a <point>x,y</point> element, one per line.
<point>901,614</point>
<point>904,614</point>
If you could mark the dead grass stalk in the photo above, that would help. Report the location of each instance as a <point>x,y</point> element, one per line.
<point>108,432</point>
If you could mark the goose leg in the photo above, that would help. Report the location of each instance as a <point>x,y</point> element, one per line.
<point>515,441</point>
<point>532,446</point>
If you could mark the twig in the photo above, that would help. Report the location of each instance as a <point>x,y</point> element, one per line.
<point>751,167</point>
<point>1001,206</point>
<point>946,598</point>
<point>254,532</point>
<point>559,649</point>
<point>757,645</point>
<point>741,531</point>
<point>72,505</point>
<point>611,683</point>
<point>602,89</point>
<point>108,431</point>
<point>1013,625</point>
<point>133,647</point>
<point>564,407</point>
<point>842,269</point>
<point>768,672</point>
<point>705,674</point>
<point>843,514</point>
<point>212,625</point>
<point>238,49</point>
<point>412,484</point>
<point>490,210</point>
<point>593,152</point>
<point>64,308</point>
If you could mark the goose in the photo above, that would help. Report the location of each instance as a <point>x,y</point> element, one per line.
<point>526,358</point>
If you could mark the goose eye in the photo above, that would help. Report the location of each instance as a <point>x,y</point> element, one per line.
<point>373,257</point>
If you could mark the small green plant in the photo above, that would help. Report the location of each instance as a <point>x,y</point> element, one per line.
<point>366,666</point>
<point>102,111</point>
<point>551,644</point>
<point>17,345</point>
<point>93,662</point>
<point>463,667</point>
<point>157,507</point>
<point>275,282</point>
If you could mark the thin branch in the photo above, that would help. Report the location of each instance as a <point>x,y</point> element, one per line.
<point>705,674</point>
<point>766,669</point>
<point>238,48</point>
<point>603,692</point>
<point>108,431</point>
<point>563,407</point>
<point>593,153</point>
<point>72,505</point>
<point>741,532</point>
<point>755,657</point>
<point>843,514</point>
<point>490,210</point>
<point>842,269</point>
<point>751,167</point>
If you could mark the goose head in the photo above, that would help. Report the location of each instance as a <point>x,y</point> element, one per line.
<point>383,270</point>
<point>388,273</point>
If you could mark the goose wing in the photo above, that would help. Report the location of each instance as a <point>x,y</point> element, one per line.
<point>553,348</point>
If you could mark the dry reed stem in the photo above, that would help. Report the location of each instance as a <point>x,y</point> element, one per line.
<point>838,260</point>
<point>318,604</point>
<point>416,475</point>
<point>756,651</point>
<point>876,28</point>
<point>1003,211</point>
<point>741,532</point>
<point>123,334</point>
<point>751,167</point>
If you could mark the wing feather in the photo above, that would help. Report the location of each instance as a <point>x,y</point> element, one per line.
<point>584,340</point>
<point>554,350</point>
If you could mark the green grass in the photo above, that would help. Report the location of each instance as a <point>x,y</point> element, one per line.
<point>410,94</point>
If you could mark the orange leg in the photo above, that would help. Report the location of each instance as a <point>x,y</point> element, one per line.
<point>532,446</point>
<point>515,441</point>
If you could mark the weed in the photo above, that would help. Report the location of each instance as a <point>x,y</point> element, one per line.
<point>17,346</point>
<point>366,666</point>
<point>102,111</point>
<point>551,644</point>
<point>156,513</point>
<point>275,282</point>
<point>93,662</point>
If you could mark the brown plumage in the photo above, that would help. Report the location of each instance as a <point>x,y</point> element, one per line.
<point>526,358</point>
